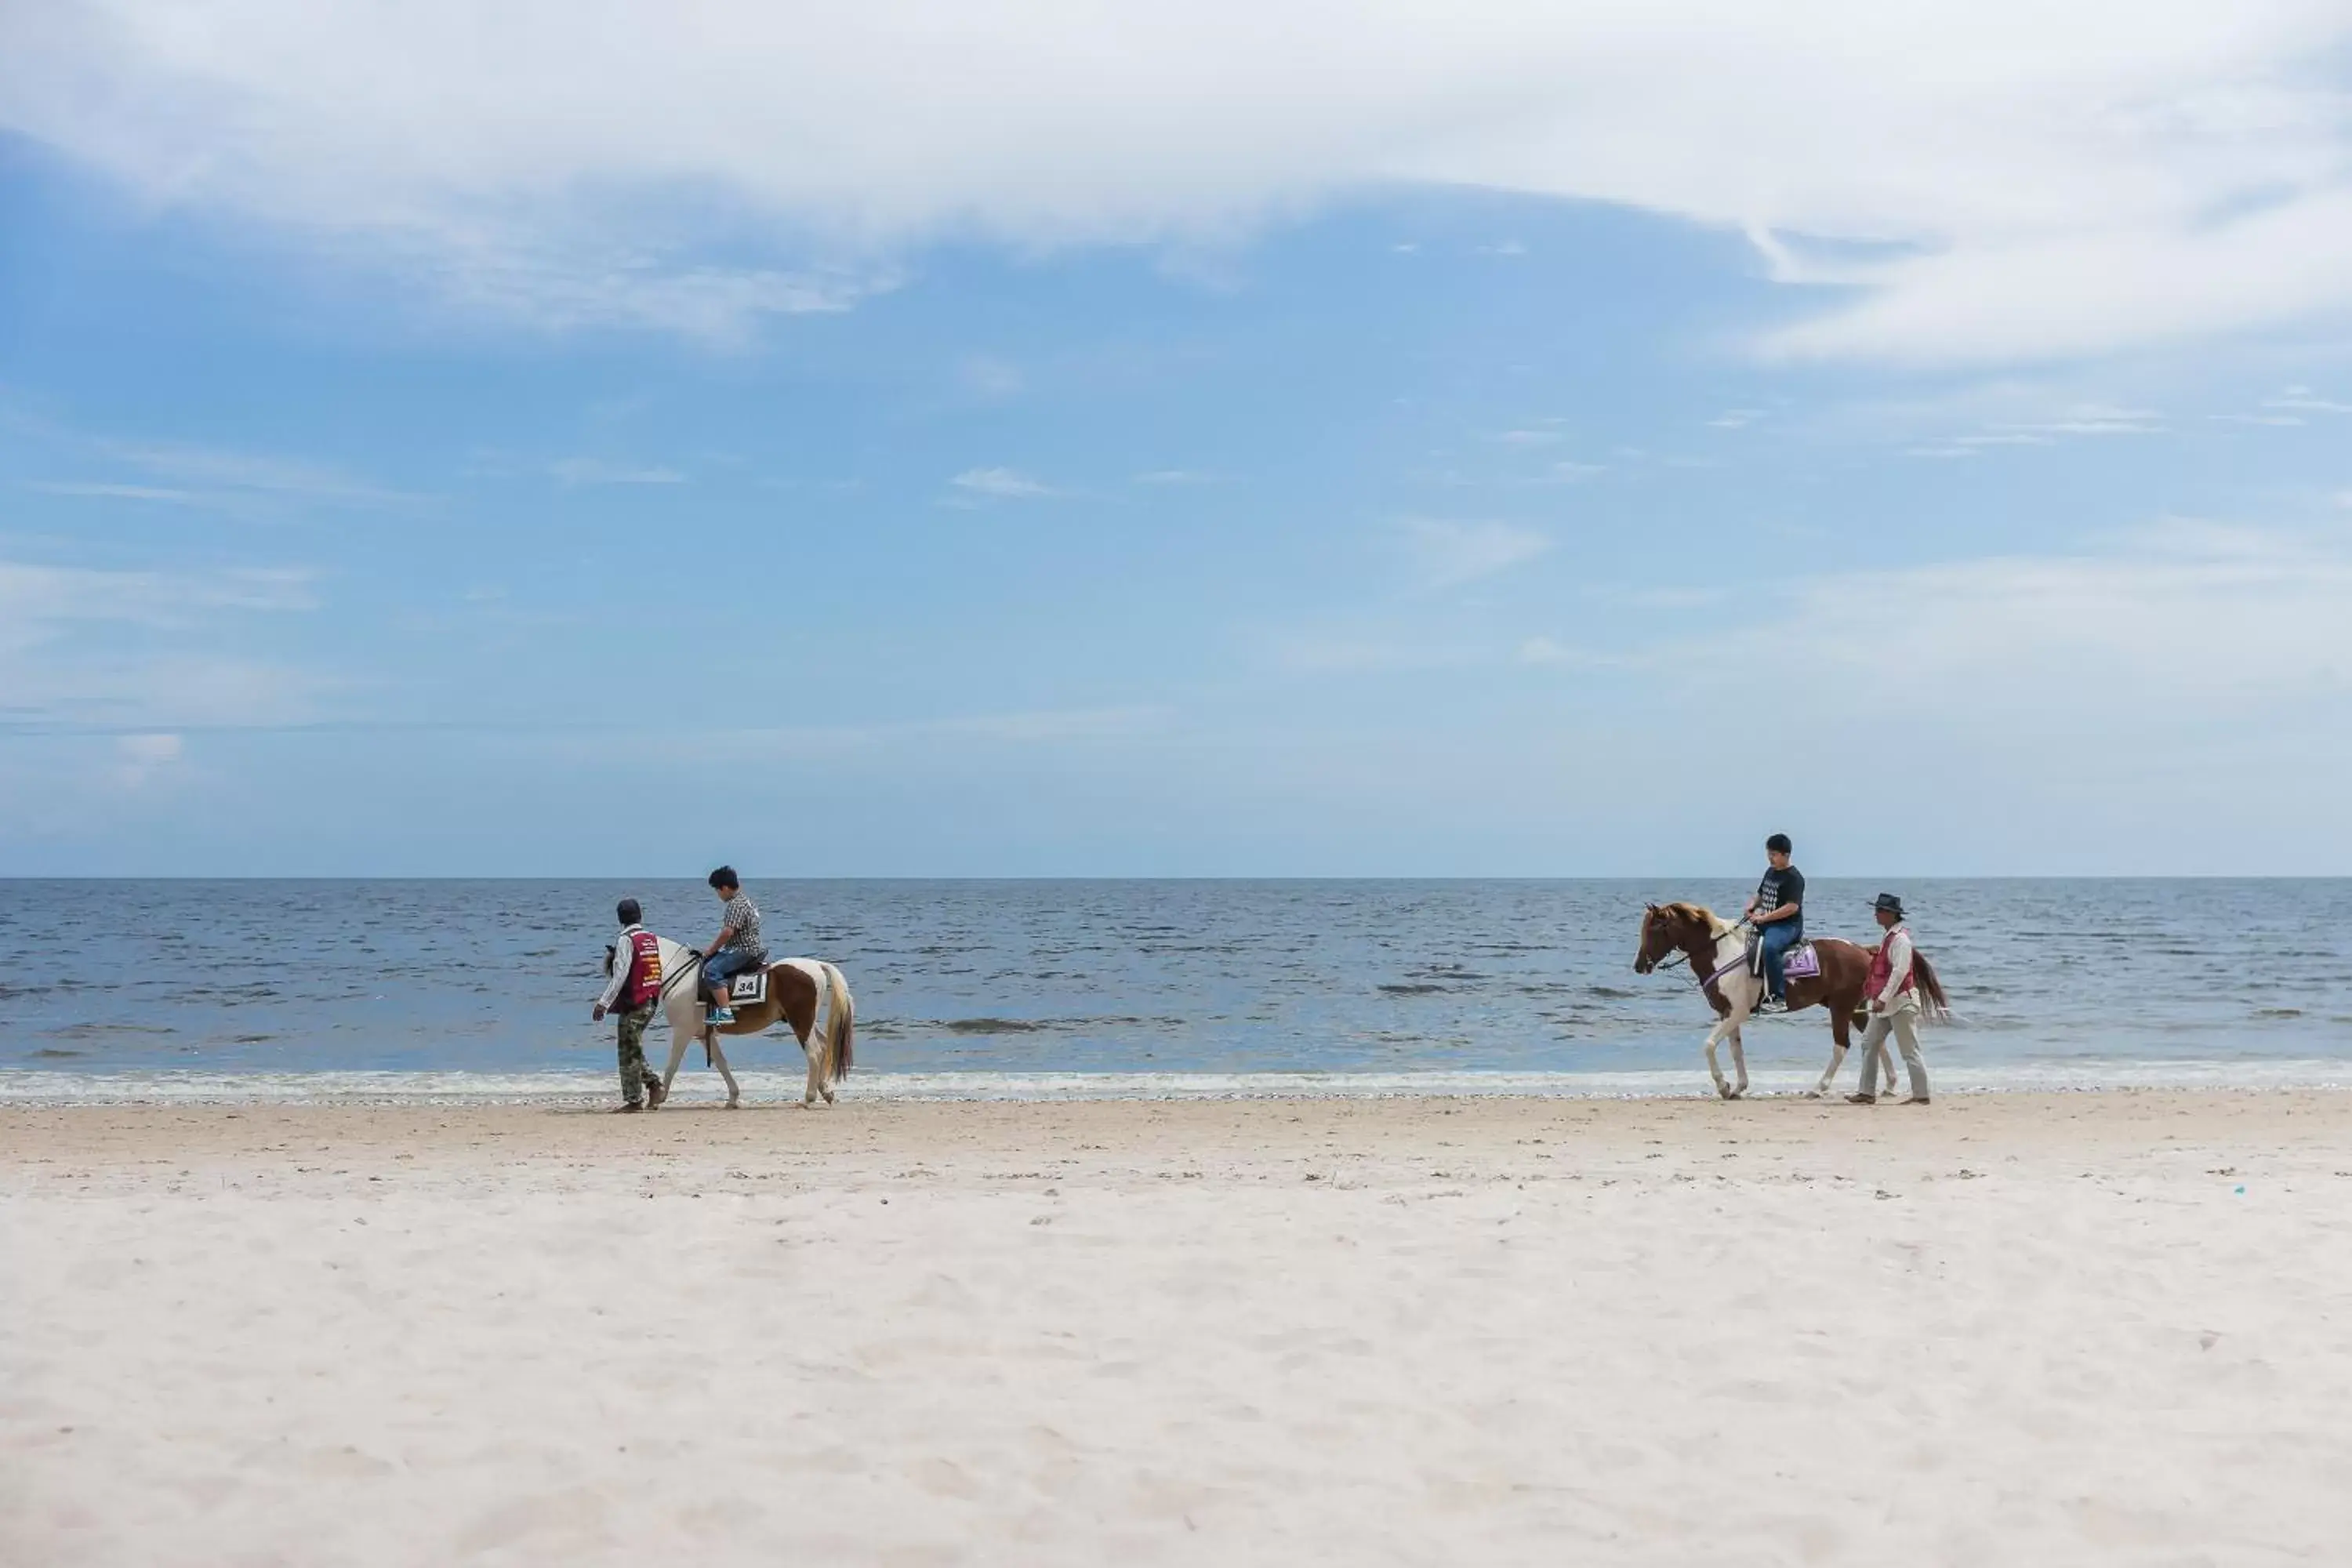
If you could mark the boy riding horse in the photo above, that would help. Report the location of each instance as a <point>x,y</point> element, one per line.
<point>736,948</point>
<point>1778,913</point>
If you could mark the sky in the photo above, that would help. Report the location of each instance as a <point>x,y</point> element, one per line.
<point>1281,439</point>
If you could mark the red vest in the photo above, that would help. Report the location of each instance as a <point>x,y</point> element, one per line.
<point>1880,969</point>
<point>643,986</point>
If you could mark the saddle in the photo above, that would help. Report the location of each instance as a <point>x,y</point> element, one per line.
<point>1800,963</point>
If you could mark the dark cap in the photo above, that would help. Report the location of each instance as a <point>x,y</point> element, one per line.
<point>1888,902</point>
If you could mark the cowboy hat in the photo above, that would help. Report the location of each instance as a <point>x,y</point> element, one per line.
<point>1888,901</point>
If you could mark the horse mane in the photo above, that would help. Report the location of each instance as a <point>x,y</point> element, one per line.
<point>1716,924</point>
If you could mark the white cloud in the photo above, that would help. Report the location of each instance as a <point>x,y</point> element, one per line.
<point>65,656</point>
<point>994,379</point>
<point>557,287</point>
<point>1448,555</point>
<point>218,478</point>
<point>1002,484</point>
<point>2099,420</point>
<point>2029,180</point>
<point>1041,728</point>
<point>2084,420</point>
<point>139,758</point>
<point>1527,438</point>
<point>2178,621</point>
<point>2063,291</point>
<point>1058,724</point>
<point>36,599</point>
<point>1736,418</point>
<point>1545,650</point>
<point>2301,400</point>
<point>596,471</point>
<point>228,471</point>
<point>1339,652</point>
<point>104,491</point>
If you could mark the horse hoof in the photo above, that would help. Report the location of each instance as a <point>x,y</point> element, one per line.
<point>1813,1094</point>
<point>736,1104</point>
<point>1735,1093</point>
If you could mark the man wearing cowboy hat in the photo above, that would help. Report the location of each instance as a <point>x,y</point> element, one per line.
<point>1893,1005</point>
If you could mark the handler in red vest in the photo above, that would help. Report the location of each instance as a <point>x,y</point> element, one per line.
<point>1893,997</point>
<point>635,986</point>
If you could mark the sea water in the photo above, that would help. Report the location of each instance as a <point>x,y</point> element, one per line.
<point>1044,989</point>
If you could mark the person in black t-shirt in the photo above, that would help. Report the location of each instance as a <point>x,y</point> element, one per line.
<point>1777,912</point>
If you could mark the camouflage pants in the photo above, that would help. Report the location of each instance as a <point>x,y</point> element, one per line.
<point>633,1071</point>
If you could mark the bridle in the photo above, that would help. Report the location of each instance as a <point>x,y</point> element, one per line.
<point>1682,956</point>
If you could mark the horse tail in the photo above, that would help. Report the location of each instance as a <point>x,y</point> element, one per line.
<point>1937,1006</point>
<point>840,1022</point>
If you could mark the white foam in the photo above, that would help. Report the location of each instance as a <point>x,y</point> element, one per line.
<point>24,1087</point>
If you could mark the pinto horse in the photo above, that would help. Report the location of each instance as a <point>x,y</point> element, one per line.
<point>1716,949</point>
<point>796,987</point>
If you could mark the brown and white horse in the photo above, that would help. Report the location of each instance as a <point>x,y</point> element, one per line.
<point>796,987</point>
<point>1716,948</point>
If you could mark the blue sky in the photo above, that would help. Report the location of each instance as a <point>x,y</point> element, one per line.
<point>1227,467</point>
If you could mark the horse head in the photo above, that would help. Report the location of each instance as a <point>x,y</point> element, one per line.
<point>1656,942</point>
<point>1668,929</point>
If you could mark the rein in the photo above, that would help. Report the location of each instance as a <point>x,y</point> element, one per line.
<point>1681,959</point>
<point>683,971</point>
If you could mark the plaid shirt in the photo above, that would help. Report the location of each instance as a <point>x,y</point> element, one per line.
<point>742,916</point>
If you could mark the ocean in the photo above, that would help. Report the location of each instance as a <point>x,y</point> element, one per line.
<point>127,990</point>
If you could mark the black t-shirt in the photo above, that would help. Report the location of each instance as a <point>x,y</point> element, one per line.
<point>1779,889</point>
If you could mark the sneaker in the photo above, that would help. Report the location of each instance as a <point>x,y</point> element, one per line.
<point>1772,1005</point>
<point>722,1015</point>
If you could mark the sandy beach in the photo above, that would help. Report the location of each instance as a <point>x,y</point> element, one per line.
<point>2006,1329</point>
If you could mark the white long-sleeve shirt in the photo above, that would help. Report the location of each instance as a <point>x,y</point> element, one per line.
<point>1898,970</point>
<point>624,950</point>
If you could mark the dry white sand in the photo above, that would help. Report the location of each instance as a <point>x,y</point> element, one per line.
<point>2006,1329</point>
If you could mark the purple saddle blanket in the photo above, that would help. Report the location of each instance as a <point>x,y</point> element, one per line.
<point>1801,964</point>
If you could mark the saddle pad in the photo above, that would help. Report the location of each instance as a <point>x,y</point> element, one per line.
<point>1802,963</point>
<point>751,987</point>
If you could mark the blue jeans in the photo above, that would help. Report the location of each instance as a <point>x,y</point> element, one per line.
<point>723,965</point>
<point>1776,940</point>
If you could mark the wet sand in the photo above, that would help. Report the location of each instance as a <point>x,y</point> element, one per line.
<point>2002,1329</point>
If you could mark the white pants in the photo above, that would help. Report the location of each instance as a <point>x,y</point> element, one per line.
<point>1905,1024</point>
